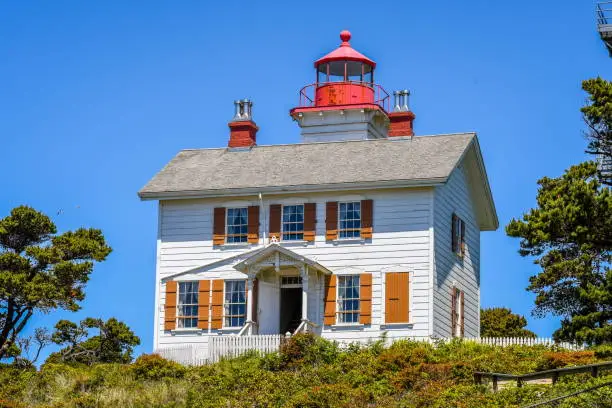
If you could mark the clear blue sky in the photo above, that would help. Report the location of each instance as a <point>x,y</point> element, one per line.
<point>95,97</point>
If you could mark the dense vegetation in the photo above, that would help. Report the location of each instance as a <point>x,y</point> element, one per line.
<point>309,372</point>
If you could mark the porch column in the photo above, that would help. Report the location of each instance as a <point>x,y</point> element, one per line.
<point>249,304</point>
<point>304,274</point>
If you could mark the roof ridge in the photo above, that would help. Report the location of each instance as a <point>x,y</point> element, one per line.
<point>333,142</point>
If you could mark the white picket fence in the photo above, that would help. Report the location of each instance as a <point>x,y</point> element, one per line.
<point>187,354</point>
<point>234,346</point>
<point>524,341</point>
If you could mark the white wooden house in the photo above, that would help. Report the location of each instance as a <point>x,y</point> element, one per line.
<point>362,228</point>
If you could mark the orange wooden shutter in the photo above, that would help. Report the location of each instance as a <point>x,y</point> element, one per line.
<point>219,226</point>
<point>366,219</point>
<point>453,312</point>
<point>397,297</point>
<point>253,224</point>
<point>331,220</point>
<point>275,221</point>
<point>310,220</point>
<point>462,328</point>
<point>365,298</point>
<point>330,300</point>
<point>217,304</point>
<point>170,306</point>
<point>203,303</point>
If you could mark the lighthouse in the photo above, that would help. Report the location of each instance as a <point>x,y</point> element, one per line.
<point>345,103</point>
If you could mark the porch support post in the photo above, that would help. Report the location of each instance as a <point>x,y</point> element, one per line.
<point>249,305</point>
<point>304,273</point>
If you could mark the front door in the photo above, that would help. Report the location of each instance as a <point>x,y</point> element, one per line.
<point>290,309</point>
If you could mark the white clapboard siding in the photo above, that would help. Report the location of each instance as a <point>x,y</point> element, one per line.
<point>454,197</point>
<point>401,242</point>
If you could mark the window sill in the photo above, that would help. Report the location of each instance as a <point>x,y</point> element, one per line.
<point>347,326</point>
<point>230,329</point>
<point>194,330</point>
<point>296,242</point>
<point>349,241</point>
<point>396,325</point>
<point>235,245</point>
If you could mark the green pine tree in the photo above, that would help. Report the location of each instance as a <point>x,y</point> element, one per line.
<point>41,271</point>
<point>570,235</point>
<point>501,322</point>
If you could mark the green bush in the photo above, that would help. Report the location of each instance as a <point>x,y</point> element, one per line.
<point>308,372</point>
<point>603,351</point>
<point>155,367</point>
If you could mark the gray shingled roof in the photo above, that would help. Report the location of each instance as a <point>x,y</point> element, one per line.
<point>201,172</point>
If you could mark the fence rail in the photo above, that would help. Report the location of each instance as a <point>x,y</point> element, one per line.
<point>233,346</point>
<point>554,374</point>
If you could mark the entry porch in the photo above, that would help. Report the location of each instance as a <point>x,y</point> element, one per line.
<point>284,292</point>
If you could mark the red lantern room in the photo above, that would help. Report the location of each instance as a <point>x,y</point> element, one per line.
<point>344,102</point>
<point>343,77</point>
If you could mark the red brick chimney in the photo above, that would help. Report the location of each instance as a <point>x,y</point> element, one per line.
<point>402,117</point>
<point>243,131</point>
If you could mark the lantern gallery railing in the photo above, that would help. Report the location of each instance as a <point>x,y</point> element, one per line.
<point>343,93</point>
<point>603,11</point>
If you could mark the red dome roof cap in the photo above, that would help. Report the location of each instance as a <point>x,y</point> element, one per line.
<point>345,52</point>
<point>345,36</point>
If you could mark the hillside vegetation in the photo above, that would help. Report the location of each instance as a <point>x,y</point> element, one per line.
<point>311,372</point>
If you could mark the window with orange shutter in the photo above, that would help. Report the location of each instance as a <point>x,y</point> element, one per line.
<point>348,298</point>
<point>187,309</point>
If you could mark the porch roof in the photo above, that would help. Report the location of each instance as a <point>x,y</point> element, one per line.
<point>261,255</point>
<point>251,258</point>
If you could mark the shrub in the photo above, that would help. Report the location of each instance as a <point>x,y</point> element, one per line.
<point>307,349</point>
<point>155,367</point>
<point>558,359</point>
<point>603,351</point>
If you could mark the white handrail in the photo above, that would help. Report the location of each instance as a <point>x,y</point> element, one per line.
<point>246,327</point>
<point>303,327</point>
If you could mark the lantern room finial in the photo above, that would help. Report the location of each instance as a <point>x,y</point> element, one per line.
<point>345,36</point>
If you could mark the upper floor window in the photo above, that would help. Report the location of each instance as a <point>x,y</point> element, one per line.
<point>237,225</point>
<point>187,310</point>
<point>293,222</point>
<point>458,235</point>
<point>349,220</point>
<point>348,298</point>
<point>235,303</point>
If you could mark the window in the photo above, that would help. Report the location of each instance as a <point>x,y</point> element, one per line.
<point>293,222</point>
<point>457,313</point>
<point>350,220</point>
<point>237,225</point>
<point>187,313</point>
<point>458,236</point>
<point>291,282</point>
<point>348,299</point>
<point>235,303</point>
